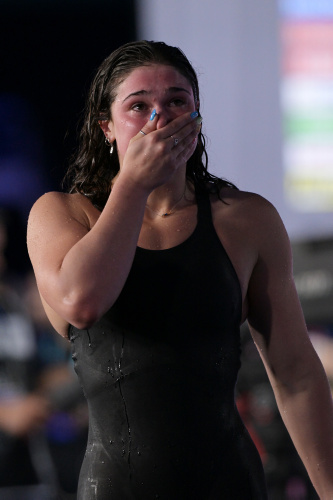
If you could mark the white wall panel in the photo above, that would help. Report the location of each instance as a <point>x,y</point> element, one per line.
<point>234,46</point>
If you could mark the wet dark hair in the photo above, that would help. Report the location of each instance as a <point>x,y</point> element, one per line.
<point>92,167</point>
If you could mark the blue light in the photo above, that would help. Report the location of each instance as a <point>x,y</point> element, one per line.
<point>306,9</point>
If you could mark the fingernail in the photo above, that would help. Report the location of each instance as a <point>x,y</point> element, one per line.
<point>194,114</point>
<point>152,116</point>
<point>199,120</point>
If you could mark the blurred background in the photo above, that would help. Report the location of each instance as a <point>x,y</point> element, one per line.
<point>266,77</point>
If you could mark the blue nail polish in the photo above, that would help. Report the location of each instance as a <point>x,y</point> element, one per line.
<point>194,114</point>
<point>152,116</point>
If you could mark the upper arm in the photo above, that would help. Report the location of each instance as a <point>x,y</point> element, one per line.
<point>56,223</point>
<point>275,316</point>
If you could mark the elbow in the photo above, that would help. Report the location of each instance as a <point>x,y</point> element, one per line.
<point>81,313</point>
<point>83,320</point>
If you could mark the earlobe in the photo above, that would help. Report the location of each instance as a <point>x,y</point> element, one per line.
<point>106,126</point>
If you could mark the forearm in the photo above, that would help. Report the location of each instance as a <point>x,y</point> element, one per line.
<point>308,415</point>
<point>94,270</point>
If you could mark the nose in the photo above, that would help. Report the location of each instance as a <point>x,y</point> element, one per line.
<point>164,116</point>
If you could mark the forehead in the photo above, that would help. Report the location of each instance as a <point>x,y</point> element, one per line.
<point>153,77</point>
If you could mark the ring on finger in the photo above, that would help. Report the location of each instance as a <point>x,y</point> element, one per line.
<point>175,140</point>
<point>142,132</point>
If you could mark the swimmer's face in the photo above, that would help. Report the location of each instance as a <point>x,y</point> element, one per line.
<point>146,88</point>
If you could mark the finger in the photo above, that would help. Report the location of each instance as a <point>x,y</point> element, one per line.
<point>180,126</point>
<point>150,126</point>
<point>186,136</point>
<point>186,152</point>
<point>175,141</point>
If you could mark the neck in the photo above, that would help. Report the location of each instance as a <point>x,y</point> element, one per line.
<point>167,199</point>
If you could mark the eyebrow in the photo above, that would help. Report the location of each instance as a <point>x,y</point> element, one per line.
<point>146,92</point>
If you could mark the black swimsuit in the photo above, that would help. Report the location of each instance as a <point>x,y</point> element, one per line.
<point>159,371</point>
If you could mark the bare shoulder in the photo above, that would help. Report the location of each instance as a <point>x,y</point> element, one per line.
<point>249,212</point>
<point>56,203</point>
<point>56,214</point>
<point>243,201</point>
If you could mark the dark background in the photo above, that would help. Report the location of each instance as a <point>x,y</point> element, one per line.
<point>50,51</point>
<point>49,54</point>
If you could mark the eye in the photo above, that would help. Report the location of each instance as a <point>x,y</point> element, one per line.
<point>139,106</point>
<point>177,101</point>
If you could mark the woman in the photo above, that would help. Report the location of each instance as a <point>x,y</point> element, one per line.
<point>150,266</point>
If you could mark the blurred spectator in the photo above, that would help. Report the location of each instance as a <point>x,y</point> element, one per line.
<point>23,411</point>
<point>285,474</point>
<point>43,418</point>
